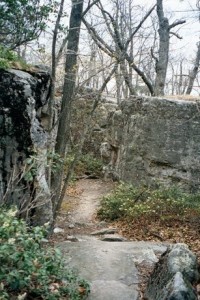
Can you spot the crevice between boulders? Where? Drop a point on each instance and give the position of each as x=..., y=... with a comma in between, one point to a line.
x=175, y=276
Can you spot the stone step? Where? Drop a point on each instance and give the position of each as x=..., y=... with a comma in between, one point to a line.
x=105, y=231
x=110, y=266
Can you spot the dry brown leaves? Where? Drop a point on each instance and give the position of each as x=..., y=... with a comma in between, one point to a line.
x=174, y=230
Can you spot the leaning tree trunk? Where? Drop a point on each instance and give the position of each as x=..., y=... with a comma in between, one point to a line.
x=68, y=94
x=194, y=71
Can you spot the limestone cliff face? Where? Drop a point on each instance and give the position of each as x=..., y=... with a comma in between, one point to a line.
x=22, y=96
x=159, y=142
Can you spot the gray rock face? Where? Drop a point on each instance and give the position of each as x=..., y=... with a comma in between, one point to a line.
x=21, y=97
x=179, y=289
x=158, y=141
x=109, y=266
x=174, y=275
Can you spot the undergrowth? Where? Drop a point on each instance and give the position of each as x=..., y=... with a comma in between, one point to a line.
x=9, y=59
x=28, y=269
x=87, y=164
x=132, y=202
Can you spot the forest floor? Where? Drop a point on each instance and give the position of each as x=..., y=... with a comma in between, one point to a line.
x=78, y=217
x=79, y=208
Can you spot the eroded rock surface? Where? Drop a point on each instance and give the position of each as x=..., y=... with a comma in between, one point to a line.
x=110, y=266
x=158, y=142
x=174, y=275
x=23, y=183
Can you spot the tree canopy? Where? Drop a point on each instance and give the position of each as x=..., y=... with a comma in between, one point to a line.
x=22, y=21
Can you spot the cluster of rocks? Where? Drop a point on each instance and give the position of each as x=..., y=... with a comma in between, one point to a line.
x=113, y=268
x=175, y=275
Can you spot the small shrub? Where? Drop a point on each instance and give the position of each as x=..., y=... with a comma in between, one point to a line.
x=29, y=270
x=9, y=59
x=6, y=57
x=131, y=202
x=87, y=164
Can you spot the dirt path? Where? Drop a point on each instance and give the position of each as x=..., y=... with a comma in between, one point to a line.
x=108, y=261
x=89, y=200
x=116, y=268
x=78, y=212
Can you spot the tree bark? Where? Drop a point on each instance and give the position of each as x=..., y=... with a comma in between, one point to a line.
x=53, y=63
x=194, y=71
x=163, y=52
x=68, y=94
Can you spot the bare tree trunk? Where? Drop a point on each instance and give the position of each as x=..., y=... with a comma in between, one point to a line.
x=86, y=131
x=194, y=71
x=53, y=81
x=180, y=82
x=68, y=93
x=119, y=82
x=162, y=61
x=163, y=52
x=53, y=64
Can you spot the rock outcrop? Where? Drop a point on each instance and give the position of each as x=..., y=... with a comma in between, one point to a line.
x=158, y=142
x=174, y=275
x=23, y=143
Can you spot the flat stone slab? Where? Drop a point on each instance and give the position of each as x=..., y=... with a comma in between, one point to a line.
x=110, y=266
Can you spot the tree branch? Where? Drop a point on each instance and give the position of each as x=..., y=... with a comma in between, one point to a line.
x=106, y=20
x=176, y=35
x=106, y=48
x=139, y=26
x=153, y=56
x=89, y=7
x=140, y=73
x=176, y=23
x=116, y=31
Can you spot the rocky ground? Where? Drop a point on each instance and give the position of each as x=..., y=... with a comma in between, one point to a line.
x=78, y=213
x=116, y=267
x=112, y=256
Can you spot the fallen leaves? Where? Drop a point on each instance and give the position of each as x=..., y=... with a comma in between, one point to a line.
x=172, y=231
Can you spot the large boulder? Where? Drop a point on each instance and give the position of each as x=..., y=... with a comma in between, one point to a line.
x=158, y=142
x=174, y=275
x=23, y=143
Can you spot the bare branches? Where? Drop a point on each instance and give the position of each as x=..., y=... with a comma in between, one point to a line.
x=99, y=41
x=153, y=55
x=89, y=7
x=176, y=35
x=138, y=27
x=194, y=71
x=106, y=19
x=176, y=23
x=120, y=52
